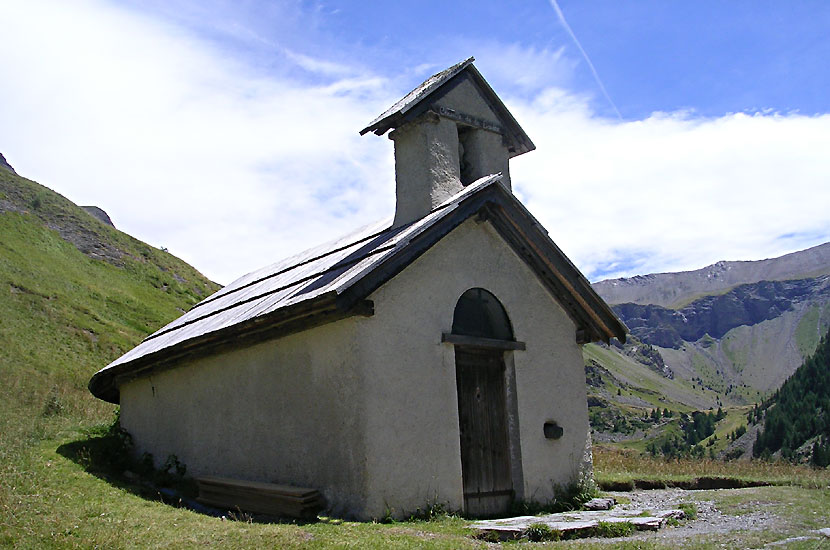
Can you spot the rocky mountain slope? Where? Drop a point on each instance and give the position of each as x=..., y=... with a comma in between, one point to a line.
x=726, y=335
x=752, y=328
x=673, y=290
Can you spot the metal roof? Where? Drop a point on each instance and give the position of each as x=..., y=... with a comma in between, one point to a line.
x=416, y=96
x=424, y=95
x=331, y=279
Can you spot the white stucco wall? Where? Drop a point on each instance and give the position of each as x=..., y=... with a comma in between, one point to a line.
x=365, y=409
x=285, y=411
x=413, y=440
x=426, y=167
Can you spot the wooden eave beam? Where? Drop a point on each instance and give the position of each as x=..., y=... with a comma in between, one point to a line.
x=328, y=308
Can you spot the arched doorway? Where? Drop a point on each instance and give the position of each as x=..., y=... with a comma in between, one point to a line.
x=480, y=322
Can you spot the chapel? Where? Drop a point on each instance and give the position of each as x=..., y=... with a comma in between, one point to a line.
x=430, y=358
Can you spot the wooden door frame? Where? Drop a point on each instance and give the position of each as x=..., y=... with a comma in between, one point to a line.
x=511, y=416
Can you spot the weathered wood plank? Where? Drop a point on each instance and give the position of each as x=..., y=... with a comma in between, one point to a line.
x=482, y=412
x=260, y=497
x=475, y=341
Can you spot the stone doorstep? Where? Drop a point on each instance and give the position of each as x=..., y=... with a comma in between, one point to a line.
x=576, y=522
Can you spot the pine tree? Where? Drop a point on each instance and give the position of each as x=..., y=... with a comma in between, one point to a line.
x=799, y=410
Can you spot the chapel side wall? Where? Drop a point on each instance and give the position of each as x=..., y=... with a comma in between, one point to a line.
x=287, y=411
x=413, y=440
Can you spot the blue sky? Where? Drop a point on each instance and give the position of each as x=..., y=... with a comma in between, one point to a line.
x=227, y=131
x=658, y=55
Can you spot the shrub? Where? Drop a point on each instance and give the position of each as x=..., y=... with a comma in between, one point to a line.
x=611, y=529
x=53, y=405
x=539, y=532
x=109, y=447
x=689, y=509
x=566, y=498
x=433, y=511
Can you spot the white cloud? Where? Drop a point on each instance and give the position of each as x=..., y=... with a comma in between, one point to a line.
x=181, y=145
x=673, y=192
x=524, y=69
x=189, y=148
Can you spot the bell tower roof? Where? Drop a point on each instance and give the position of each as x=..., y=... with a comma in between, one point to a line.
x=491, y=113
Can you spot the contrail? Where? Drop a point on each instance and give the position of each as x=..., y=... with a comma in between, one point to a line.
x=585, y=55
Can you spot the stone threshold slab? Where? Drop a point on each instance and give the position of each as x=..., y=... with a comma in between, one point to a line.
x=574, y=523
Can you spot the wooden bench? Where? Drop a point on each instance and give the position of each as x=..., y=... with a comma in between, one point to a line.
x=260, y=498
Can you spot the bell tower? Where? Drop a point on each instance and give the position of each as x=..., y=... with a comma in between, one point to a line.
x=448, y=132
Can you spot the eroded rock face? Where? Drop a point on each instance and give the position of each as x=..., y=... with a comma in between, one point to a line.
x=99, y=214
x=747, y=304
x=5, y=165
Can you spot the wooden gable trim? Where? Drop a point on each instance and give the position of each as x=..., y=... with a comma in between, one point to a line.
x=498, y=206
x=555, y=269
x=521, y=141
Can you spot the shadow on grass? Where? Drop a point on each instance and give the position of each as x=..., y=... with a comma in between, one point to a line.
x=105, y=457
x=697, y=484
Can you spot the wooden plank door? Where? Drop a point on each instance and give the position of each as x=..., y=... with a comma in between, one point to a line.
x=482, y=417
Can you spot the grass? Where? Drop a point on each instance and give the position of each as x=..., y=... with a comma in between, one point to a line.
x=613, y=529
x=735, y=417
x=641, y=381
x=52, y=500
x=64, y=315
x=810, y=329
x=539, y=532
x=617, y=466
x=689, y=509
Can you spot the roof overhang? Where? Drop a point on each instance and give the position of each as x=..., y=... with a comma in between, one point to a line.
x=488, y=200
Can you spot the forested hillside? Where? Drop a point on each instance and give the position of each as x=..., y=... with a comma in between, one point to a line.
x=724, y=336
x=796, y=420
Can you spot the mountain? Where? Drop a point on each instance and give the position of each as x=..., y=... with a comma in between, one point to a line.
x=726, y=335
x=75, y=293
x=738, y=328
x=673, y=290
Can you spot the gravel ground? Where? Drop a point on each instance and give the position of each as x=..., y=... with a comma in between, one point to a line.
x=709, y=520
